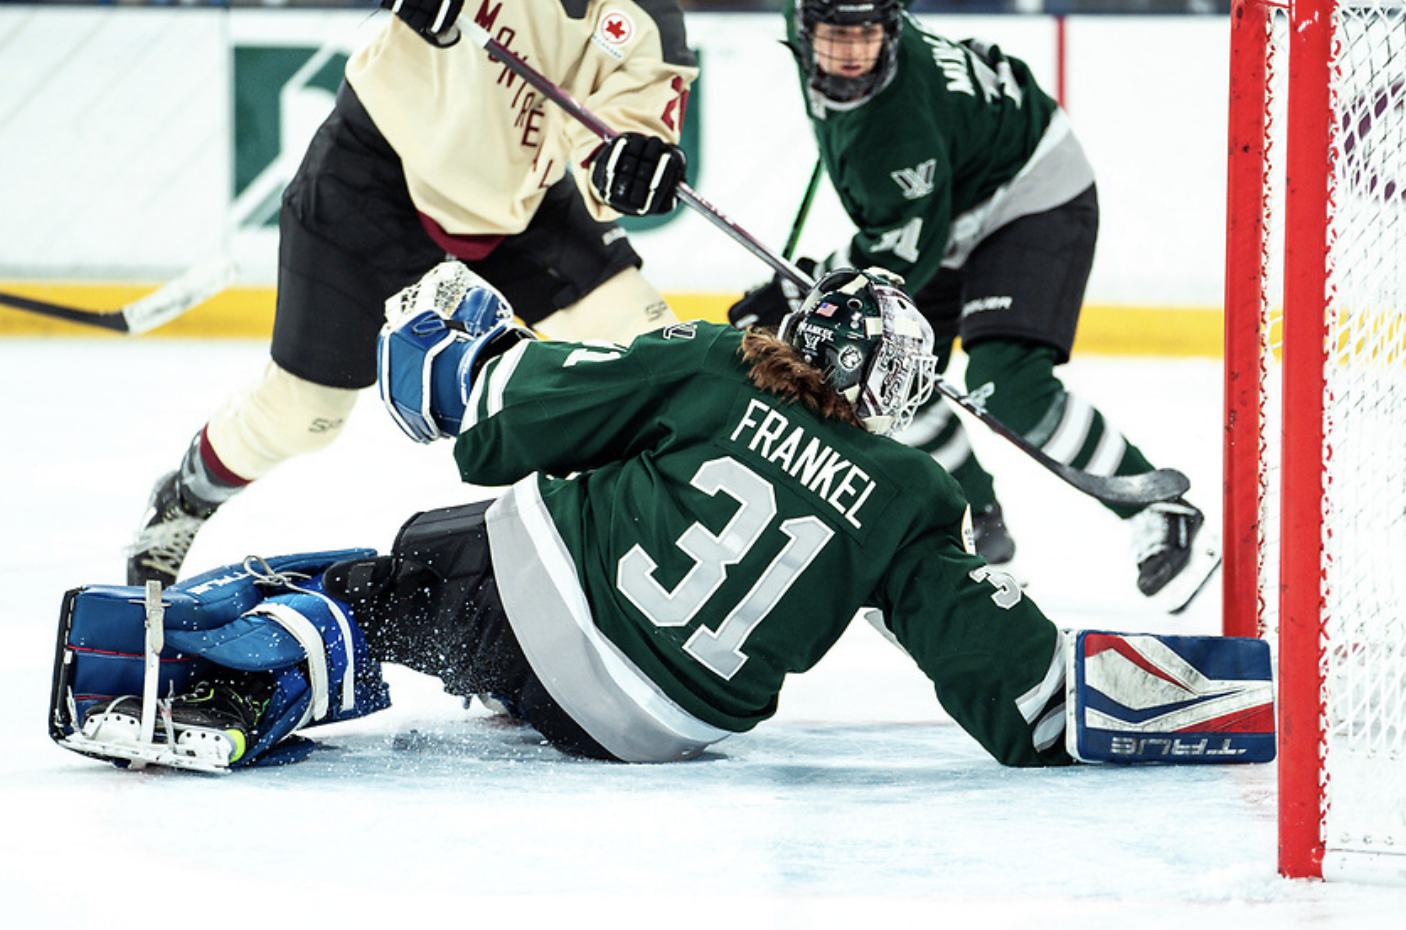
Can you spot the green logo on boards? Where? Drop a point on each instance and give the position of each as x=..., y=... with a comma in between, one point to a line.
x=281, y=96
x=283, y=93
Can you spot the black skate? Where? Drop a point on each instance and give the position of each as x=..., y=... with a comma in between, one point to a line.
x=1175, y=555
x=166, y=535
x=207, y=729
x=993, y=540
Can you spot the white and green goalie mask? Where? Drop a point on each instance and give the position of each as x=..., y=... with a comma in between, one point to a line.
x=869, y=342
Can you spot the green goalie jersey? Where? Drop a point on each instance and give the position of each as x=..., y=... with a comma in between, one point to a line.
x=960, y=141
x=714, y=539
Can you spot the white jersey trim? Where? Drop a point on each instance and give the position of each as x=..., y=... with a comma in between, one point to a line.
x=486, y=393
x=592, y=680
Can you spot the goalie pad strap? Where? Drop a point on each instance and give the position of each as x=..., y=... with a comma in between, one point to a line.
x=310, y=639
x=344, y=624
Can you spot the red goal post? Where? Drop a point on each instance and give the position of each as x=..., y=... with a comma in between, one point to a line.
x=1315, y=413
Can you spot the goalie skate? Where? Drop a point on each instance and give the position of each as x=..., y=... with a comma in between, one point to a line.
x=1176, y=553
x=206, y=730
x=113, y=731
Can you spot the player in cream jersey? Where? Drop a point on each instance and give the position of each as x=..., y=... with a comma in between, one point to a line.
x=497, y=144
x=434, y=148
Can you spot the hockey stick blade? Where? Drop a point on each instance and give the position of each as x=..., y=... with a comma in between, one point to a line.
x=1163, y=484
x=1148, y=488
x=194, y=287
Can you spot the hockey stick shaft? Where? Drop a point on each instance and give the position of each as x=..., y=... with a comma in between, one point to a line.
x=561, y=98
x=789, y=252
x=1164, y=484
x=105, y=319
x=197, y=285
x=1161, y=484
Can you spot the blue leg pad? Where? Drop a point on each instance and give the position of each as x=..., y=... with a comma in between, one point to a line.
x=263, y=615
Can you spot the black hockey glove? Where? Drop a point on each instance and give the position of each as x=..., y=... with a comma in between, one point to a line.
x=638, y=174
x=432, y=19
x=765, y=304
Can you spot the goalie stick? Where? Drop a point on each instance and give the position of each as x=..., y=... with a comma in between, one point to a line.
x=789, y=250
x=197, y=285
x=1160, y=485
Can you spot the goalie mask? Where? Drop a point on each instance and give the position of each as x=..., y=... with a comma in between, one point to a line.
x=838, y=88
x=869, y=342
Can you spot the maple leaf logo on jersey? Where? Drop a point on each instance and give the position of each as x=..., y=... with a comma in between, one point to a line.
x=613, y=33
x=916, y=182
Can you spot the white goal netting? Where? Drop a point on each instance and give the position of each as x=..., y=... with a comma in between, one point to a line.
x=1364, y=543
x=1357, y=524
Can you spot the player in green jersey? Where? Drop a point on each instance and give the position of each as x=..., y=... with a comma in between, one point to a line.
x=686, y=522
x=964, y=177
x=695, y=517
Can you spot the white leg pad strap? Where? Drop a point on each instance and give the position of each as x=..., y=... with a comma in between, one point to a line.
x=314, y=642
x=310, y=639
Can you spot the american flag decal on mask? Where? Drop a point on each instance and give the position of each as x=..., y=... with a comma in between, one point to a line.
x=1146, y=698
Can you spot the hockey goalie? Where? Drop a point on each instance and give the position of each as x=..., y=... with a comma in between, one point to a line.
x=682, y=523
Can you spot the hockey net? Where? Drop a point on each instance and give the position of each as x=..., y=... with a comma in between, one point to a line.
x=1315, y=431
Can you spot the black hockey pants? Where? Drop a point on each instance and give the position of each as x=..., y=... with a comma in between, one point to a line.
x=433, y=606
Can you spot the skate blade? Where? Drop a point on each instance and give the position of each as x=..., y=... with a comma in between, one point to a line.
x=117, y=738
x=140, y=755
x=1178, y=593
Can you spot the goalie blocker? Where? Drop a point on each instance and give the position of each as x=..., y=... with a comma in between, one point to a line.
x=130, y=672
x=1145, y=698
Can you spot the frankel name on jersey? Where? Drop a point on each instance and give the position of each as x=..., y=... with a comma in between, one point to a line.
x=815, y=466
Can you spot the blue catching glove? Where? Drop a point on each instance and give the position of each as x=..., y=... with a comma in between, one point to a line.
x=435, y=332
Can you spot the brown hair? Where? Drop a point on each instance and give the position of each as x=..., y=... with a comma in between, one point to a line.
x=779, y=370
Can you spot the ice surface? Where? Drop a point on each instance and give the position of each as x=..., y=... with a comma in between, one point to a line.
x=860, y=804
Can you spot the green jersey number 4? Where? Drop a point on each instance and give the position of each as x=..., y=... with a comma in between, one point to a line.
x=720, y=650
